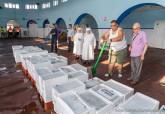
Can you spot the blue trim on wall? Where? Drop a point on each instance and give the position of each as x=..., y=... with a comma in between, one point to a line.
x=130, y=10
x=30, y=21
x=80, y=18
x=59, y=20
x=45, y=22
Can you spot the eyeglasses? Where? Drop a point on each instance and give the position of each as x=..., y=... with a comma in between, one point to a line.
x=135, y=28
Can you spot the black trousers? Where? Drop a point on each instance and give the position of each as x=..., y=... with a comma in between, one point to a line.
x=70, y=44
x=54, y=45
x=10, y=35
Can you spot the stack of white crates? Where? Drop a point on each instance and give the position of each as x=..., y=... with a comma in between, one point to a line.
x=109, y=94
x=41, y=72
x=36, y=62
x=49, y=61
x=126, y=91
x=95, y=101
x=66, y=87
x=138, y=104
x=93, y=82
x=48, y=81
x=74, y=73
x=26, y=51
x=24, y=56
x=71, y=103
x=15, y=48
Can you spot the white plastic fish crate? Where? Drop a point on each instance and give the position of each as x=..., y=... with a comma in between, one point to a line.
x=93, y=82
x=34, y=53
x=71, y=103
x=25, y=57
x=138, y=104
x=67, y=69
x=79, y=67
x=34, y=63
x=41, y=72
x=48, y=81
x=109, y=94
x=95, y=101
x=16, y=55
x=81, y=75
x=162, y=110
x=27, y=50
x=123, y=89
x=17, y=47
x=66, y=87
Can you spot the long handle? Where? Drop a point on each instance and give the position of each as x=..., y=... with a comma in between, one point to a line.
x=98, y=59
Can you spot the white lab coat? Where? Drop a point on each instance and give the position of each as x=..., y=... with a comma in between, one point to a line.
x=78, y=42
x=88, y=47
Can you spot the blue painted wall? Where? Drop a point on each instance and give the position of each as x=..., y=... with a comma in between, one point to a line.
x=70, y=11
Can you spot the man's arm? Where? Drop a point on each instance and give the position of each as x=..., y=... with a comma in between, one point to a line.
x=119, y=37
x=105, y=37
x=144, y=51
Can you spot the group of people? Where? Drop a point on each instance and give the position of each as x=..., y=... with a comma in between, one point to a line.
x=3, y=32
x=118, y=50
x=14, y=32
x=10, y=32
x=83, y=42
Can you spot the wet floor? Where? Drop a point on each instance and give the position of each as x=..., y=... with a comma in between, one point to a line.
x=17, y=96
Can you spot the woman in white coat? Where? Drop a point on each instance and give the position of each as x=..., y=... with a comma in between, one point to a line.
x=88, y=46
x=78, y=42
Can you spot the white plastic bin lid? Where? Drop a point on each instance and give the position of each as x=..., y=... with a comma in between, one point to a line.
x=67, y=69
x=74, y=102
x=118, y=86
x=93, y=82
x=140, y=103
x=76, y=74
x=57, y=73
x=107, y=93
x=70, y=85
x=37, y=59
x=79, y=67
x=92, y=100
x=43, y=71
x=55, y=60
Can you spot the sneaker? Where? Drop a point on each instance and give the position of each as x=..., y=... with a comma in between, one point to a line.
x=108, y=75
x=120, y=75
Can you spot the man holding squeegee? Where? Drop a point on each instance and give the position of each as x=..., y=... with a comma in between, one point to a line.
x=118, y=48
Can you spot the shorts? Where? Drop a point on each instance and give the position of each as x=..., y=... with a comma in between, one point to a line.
x=119, y=57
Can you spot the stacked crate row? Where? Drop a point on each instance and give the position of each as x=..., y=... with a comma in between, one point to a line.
x=66, y=89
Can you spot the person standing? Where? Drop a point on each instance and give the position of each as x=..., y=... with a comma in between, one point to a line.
x=89, y=45
x=78, y=42
x=18, y=31
x=138, y=50
x=10, y=32
x=70, y=37
x=118, y=48
x=55, y=32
